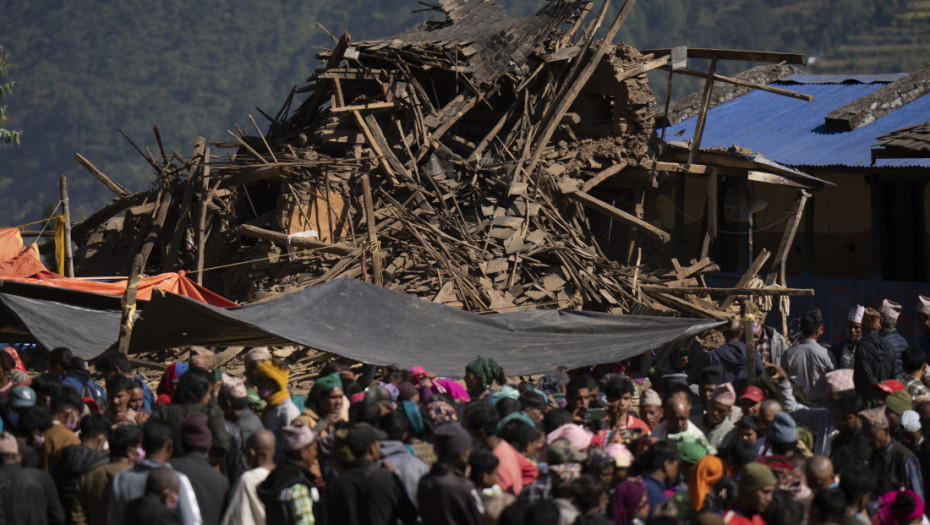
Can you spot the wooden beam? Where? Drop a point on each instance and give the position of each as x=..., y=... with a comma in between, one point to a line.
x=747, y=277
x=782, y=180
x=616, y=213
x=201, y=230
x=745, y=83
x=66, y=211
x=127, y=317
x=702, y=116
x=180, y=226
x=603, y=175
x=253, y=175
x=247, y=230
x=362, y=107
x=374, y=246
x=81, y=229
x=806, y=292
x=694, y=169
x=734, y=54
x=114, y=186
x=787, y=239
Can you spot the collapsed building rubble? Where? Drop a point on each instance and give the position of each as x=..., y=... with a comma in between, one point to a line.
x=463, y=162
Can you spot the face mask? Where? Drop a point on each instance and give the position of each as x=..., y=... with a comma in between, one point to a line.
x=173, y=504
x=265, y=393
x=140, y=455
x=72, y=424
x=38, y=442
x=756, y=327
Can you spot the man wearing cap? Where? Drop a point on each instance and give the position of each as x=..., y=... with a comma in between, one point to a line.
x=27, y=495
x=240, y=423
x=782, y=437
x=875, y=359
x=889, y=312
x=210, y=486
x=844, y=353
x=754, y=495
x=650, y=408
x=732, y=356
x=750, y=400
x=807, y=361
x=889, y=458
x=716, y=424
x=365, y=492
x=19, y=398
x=909, y=425
x=446, y=496
x=289, y=492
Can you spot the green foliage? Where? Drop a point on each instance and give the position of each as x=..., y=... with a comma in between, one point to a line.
x=7, y=136
x=87, y=69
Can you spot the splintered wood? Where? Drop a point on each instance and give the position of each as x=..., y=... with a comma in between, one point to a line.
x=487, y=140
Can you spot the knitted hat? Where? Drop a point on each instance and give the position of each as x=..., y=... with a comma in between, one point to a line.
x=855, y=314
x=755, y=476
x=783, y=429
x=923, y=304
x=839, y=380
x=875, y=418
x=194, y=431
x=451, y=440
x=406, y=391
x=439, y=412
x=724, y=394
x=910, y=421
x=296, y=437
x=690, y=451
x=890, y=309
x=899, y=402
x=323, y=386
x=650, y=398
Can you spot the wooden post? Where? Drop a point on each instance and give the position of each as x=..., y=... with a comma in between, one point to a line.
x=201, y=232
x=180, y=227
x=66, y=211
x=372, y=231
x=777, y=273
x=702, y=116
x=129, y=303
x=750, y=343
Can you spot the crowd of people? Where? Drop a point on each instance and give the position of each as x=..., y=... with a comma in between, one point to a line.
x=821, y=435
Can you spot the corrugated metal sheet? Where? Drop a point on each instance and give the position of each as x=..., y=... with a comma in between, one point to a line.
x=793, y=132
x=884, y=78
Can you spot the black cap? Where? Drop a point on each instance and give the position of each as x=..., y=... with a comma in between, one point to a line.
x=712, y=375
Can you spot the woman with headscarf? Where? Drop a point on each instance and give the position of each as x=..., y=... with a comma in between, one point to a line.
x=194, y=393
x=428, y=385
x=271, y=384
x=704, y=475
x=480, y=373
x=629, y=503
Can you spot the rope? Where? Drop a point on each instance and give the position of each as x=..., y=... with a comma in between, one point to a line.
x=250, y=261
x=52, y=218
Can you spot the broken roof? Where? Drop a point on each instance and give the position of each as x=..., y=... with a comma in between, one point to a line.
x=913, y=141
x=794, y=132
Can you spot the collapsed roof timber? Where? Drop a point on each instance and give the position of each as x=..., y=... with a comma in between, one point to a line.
x=456, y=162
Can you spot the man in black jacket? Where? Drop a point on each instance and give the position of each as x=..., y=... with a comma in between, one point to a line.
x=158, y=505
x=446, y=496
x=27, y=495
x=875, y=360
x=78, y=459
x=365, y=492
x=210, y=486
x=289, y=492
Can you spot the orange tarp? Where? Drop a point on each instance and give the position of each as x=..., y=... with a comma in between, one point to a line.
x=22, y=264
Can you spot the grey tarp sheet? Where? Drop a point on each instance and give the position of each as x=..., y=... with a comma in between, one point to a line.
x=365, y=323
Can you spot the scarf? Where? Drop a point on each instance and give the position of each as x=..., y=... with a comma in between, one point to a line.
x=704, y=475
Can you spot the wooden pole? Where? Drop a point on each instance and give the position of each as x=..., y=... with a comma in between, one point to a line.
x=180, y=227
x=66, y=211
x=373, y=244
x=702, y=116
x=202, y=214
x=129, y=303
x=750, y=342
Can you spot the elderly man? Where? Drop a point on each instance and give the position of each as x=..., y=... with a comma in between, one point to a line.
x=807, y=360
x=288, y=490
x=650, y=408
x=844, y=353
x=922, y=319
x=889, y=313
x=767, y=412
x=890, y=459
x=716, y=424
x=676, y=410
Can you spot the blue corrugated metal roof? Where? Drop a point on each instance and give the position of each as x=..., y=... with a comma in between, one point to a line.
x=839, y=79
x=793, y=132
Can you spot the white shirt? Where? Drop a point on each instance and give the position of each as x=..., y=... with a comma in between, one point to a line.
x=661, y=431
x=245, y=508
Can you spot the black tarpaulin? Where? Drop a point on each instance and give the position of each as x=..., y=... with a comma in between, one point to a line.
x=375, y=325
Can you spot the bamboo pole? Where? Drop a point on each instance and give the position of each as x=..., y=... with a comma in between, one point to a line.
x=66, y=211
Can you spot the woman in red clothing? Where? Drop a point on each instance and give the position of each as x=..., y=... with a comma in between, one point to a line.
x=622, y=425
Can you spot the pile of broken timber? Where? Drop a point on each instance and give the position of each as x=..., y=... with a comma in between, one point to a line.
x=457, y=162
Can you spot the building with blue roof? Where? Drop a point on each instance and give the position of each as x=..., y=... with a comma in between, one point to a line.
x=865, y=232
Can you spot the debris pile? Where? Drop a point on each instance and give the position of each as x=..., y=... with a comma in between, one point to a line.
x=459, y=162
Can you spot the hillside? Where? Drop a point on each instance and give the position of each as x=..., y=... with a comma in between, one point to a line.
x=84, y=70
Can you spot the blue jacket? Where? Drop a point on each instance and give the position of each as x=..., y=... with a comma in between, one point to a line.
x=732, y=357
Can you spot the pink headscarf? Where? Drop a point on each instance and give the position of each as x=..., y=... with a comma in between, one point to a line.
x=578, y=436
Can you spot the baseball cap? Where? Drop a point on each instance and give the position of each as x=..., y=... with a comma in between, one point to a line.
x=22, y=396
x=752, y=393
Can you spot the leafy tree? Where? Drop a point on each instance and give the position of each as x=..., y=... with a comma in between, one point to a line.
x=7, y=136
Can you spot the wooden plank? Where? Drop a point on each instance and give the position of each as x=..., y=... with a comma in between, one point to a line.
x=734, y=54
x=114, y=186
x=603, y=175
x=385, y=149
x=781, y=180
x=694, y=169
x=787, y=239
x=664, y=288
x=300, y=242
x=373, y=106
x=626, y=218
x=745, y=83
x=374, y=247
x=747, y=277
x=702, y=115
x=66, y=211
x=711, y=212
x=201, y=231
x=362, y=125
